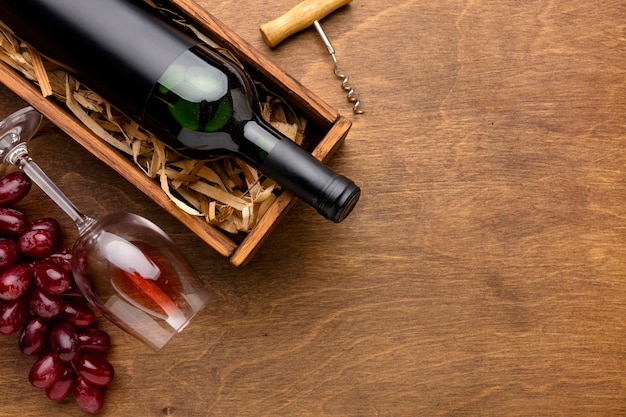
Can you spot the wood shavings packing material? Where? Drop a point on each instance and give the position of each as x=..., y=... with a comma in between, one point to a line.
x=228, y=193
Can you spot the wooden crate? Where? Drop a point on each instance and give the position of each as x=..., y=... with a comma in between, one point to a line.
x=326, y=130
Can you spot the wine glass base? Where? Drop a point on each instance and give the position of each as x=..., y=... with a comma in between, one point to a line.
x=18, y=128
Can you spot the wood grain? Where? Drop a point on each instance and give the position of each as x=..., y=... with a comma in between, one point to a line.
x=483, y=272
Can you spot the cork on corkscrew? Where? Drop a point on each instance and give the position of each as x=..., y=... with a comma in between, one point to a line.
x=302, y=16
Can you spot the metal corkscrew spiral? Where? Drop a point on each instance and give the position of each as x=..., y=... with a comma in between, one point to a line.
x=344, y=78
x=303, y=15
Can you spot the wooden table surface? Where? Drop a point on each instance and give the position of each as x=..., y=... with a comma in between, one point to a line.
x=482, y=273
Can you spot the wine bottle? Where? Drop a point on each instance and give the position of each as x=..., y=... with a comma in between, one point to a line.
x=192, y=97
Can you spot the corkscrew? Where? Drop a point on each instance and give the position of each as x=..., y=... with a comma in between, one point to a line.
x=344, y=78
x=300, y=17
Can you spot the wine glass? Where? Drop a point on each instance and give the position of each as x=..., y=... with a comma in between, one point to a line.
x=125, y=265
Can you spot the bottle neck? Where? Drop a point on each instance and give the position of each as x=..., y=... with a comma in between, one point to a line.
x=332, y=195
x=259, y=141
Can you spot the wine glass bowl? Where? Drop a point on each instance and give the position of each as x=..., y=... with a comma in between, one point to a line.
x=126, y=267
x=151, y=291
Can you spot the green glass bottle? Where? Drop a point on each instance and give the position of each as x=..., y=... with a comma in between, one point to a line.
x=193, y=98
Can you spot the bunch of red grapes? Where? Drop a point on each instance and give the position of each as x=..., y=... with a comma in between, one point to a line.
x=39, y=298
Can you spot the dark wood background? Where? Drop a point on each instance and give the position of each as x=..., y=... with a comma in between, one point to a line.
x=483, y=272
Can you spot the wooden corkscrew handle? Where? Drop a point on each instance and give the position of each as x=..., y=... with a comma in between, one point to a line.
x=298, y=18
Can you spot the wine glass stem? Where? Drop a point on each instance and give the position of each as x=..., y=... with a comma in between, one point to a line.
x=24, y=162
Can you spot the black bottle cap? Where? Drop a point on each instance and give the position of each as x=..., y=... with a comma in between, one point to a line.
x=339, y=199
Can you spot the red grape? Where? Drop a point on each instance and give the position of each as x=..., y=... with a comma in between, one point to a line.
x=34, y=336
x=13, y=187
x=64, y=341
x=78, y=314
x=46, y=371
x=95, y=369
x=12, y=222
x=44, y=304
x=60, y=389
x=46, y=223
x=40, y=298
x=73, y=294
x=89, y=398
x=51, y=277
x=37, y=243
x=94, y=340
x=9, y=252
x=13, y=315
x=63, y=258
x=15, y=281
